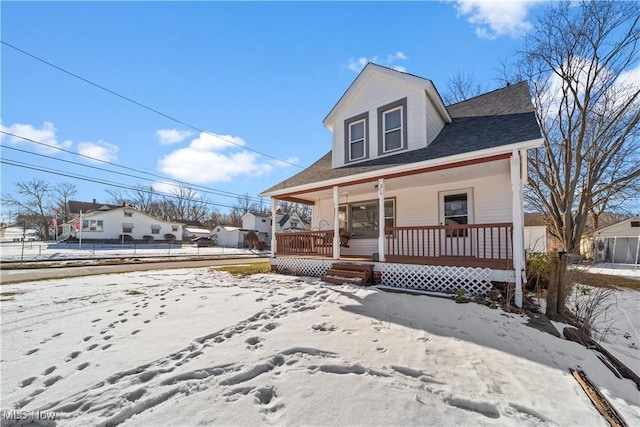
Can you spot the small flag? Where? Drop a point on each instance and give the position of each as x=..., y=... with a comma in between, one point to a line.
x=54, y=222
x=77, y=225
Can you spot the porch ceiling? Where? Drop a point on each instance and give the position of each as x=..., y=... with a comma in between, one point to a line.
x=497, y=167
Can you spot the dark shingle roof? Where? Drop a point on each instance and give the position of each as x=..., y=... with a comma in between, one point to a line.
x=501, y=117
x=75, y=206
x=534, y=219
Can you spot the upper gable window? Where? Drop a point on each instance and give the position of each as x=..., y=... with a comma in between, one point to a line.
x=356, y=131
x=392, y=126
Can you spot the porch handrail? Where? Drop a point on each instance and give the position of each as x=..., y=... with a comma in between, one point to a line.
x=493, y=241
x=305, y=242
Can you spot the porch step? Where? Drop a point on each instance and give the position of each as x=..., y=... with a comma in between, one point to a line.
x=355, y=274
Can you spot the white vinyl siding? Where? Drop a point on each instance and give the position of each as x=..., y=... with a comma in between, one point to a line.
x=110, y=225
x=420, y=206
x=380, y=91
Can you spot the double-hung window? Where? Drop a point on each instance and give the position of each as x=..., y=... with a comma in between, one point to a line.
x=356, y=137
x=392, y=126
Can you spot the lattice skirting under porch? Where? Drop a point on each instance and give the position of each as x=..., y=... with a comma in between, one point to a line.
x=436, y=278
x=428, y=278
x=301, y=266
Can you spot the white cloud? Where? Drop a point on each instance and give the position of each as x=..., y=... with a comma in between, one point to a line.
x=200, y=167
x=356, y=65
x=204, y=161
x=172, y=136
x=211, y=141
x=396, y=56
x=100, y=151
x=495, y=18
x=45, y=135
x=170, y=188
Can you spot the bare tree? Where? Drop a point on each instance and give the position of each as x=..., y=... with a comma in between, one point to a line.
x=184, y=204
x=143, y=198
x=462, y=86
x=118, y=196
x=579, y=61
x=62, y=193
x=35, y=204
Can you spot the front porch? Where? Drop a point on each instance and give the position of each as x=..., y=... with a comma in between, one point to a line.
x=458, y=245
x=436, y=259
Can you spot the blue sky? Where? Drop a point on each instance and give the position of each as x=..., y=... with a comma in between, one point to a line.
x=260, y=74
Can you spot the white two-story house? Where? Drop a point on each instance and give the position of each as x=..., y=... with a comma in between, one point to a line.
x=430, y=195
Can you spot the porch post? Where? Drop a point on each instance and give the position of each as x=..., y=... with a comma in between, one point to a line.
x=518, y=223
x=336, y=223
x=381, y=245
x=273, y=227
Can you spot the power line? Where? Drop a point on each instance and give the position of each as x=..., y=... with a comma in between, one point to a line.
x=23, y=165
x=195, y=186
x=146, y=107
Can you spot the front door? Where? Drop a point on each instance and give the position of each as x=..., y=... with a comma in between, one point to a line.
x=456, y=211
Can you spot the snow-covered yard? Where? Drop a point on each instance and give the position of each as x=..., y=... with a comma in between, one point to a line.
x=200, y=347
x=51, y=251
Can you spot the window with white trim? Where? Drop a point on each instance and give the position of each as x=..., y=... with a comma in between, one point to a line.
x=392, y=127
x=92, y=225
x=357, y=141
x=356, y=132
x=456, y=208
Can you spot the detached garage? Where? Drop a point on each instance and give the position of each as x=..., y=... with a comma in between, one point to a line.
x=618, y=243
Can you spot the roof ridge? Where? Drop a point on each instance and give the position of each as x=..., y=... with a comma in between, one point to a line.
x=487, y=93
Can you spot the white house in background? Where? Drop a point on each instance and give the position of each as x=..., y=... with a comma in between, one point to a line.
x=258, y=222
x=122, y=224
x=262, y=224
x=14, y=234
x=189, y=233
x=426, y=195
x=537, y=237
x=229, y=236
x=290, y=222
x=618, y=243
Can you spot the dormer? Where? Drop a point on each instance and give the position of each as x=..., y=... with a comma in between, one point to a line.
x=384, y=112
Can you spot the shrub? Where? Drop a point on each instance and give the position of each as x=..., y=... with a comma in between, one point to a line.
x=538, y=270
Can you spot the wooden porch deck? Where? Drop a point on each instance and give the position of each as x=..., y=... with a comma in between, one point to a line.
x=460, y=245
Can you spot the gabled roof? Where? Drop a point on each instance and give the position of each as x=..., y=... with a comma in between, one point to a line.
x=372, y=68
x=190, y=223
x=534, y=219
x=499, y=118
x=617, y=224
x=76, y=206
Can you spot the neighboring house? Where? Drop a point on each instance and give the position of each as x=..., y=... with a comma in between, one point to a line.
x=190, y=233
x=618, y=243
x=16, y=233
x=445, y=183
x=75, y=207
x=229, y=236
x=290, y=222
x=122, y=224
x=260, y=223
x=537, y=237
